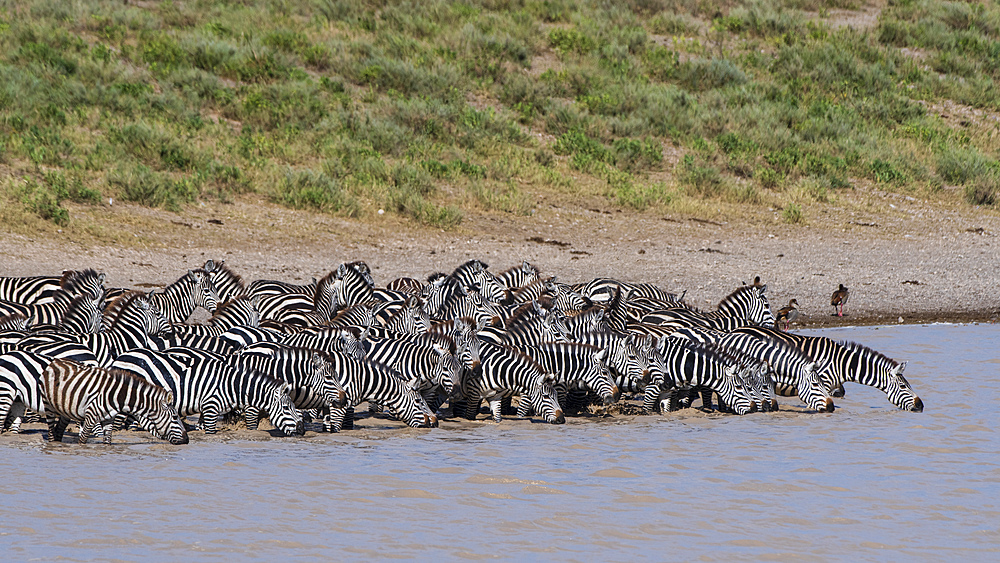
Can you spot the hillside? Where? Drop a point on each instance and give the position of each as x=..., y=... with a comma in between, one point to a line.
x=437, y=111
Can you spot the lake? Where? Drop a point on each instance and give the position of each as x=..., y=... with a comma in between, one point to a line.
x=867, y=482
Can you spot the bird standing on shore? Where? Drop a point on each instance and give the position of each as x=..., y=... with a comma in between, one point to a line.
x=839, y=298
x=787, y=314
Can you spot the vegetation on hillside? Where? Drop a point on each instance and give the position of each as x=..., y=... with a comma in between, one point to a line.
x=429, y=108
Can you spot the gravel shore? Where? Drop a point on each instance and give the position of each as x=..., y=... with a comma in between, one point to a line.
x=903, y=260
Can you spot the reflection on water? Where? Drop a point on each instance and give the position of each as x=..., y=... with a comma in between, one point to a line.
x=866, y=482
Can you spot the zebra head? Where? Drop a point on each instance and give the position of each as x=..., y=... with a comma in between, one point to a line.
x=545, y=400
x=204, y=290
x=409, y=405
x=554, y=322
x=447, y=370
x=279, y=407
x=735, y=390
x=160, y=412
x=323, y=373
x=434, y=293
x=811, y=388
x=599, y=379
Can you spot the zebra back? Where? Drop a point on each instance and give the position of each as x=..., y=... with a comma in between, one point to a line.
x=29, y=290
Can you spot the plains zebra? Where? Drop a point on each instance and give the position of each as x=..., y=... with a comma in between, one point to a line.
x=506, y=372
x=474, y=273
x=29, y=290
x=236, y=313
x=530, y=324
x=308, y=372
x=20, y=373
x=748, y=302
x=432, y=367
x=203, y=383
x=273, y=287
x=689, y=365
x=228, y=285
x=355, y=284
x=575, y=367
x=94, y=396
x=603, y=289
x=470, y=302
x=463, y=332
x=564, y=298
x=299, y=309
x=178, y=300
x=519, y=276
x=364, y=380
x=411, y=319
x=328, y=339
x=134, y=325
x=51, y=314
x=850, y=361
x=794, y=372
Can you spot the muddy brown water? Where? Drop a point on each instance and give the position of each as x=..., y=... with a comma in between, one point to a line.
x=868, y=482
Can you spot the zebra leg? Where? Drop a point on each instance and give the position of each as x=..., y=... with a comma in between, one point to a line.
x=91, y=420
x=348, y=423
x=524, y=408
x=505, y=406
x=472, y=408
x=334, y=419
x=16, y=416
x=57, y=426
x=577, y=400
x=210, y=420
x=252, y=418
x=496, y=406
x=108, y=424
x=706, y=400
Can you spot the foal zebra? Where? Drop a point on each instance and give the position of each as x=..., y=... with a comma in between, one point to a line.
x=94, y=396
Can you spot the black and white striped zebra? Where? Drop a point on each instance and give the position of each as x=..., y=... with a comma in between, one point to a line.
x=690, y=366
x=603, y=289
x=364, y=380
x=192, y=290
x=94, y=396
x=469, y=301
x=228, y=285
x=29, y=290
x=433, y=368
x=850, y=361
x=410, y=319
x=51, y=314
x=506, y=372
x=299, y=309
x=474, y=273
x=529, y=325
x=235, y=313
x=204, y=384
x=308, y=372
x=328, y=339
x=519, y=276
x=747, y=305
x=20, y=374
x=577, y=367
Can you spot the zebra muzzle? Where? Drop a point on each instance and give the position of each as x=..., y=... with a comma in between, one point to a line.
x=559, y=418
x=918, y=405
x=828, y=406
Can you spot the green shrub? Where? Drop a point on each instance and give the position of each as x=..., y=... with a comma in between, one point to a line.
x=141, y=185
x=306, y=189
x=984, y=190
x=959, y=166
x=792, y=213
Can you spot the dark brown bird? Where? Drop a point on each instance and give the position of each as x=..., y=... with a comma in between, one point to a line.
x=839, y=298
x=787, y=314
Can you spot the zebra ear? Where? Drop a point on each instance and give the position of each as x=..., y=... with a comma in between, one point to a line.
x=763, y=288
x=549, y=378
x=170, y=397
x=525, y=267
x=100, y=279
x=601, y=354
x=209, y=266
x=898, y=370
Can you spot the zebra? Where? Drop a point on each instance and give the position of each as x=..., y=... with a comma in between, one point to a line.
x=519, y=276
x=409, y=286
x=94, y=396
x=689, y=365
x=530, y=324
x=470, y=302
x=474, y=273
x=29, y=290
x=228, y=285
x=272, y=287
x=505, y=372
x=432, y=367
x=299, y=309
x=20, y=373
x=364, y=380
x=411, y=319
x=603, y=289
x=239, y=312
x=748, y=302
x=564, y=298
x=794, y=372
x=133, y=327
x=308, y=372
x=463, y=332
x=178, y=300
x=576, y=367
x=356, y=284
x=203, y=383
x=850, y=361
x=52, y=313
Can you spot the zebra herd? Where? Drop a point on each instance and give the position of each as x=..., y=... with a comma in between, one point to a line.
x=73, y=350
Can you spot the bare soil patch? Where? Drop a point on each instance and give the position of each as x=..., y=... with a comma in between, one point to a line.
x=901, y=257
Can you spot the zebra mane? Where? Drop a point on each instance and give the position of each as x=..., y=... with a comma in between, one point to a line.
x=121, y=303
x=736, y=293
x=227, y=309
x=470, y=265
x=322, y=283
x=436, y=276
x=73, y=280
x=856, y=347
x=224, y=272
x=183, y=280
x=14, y=321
